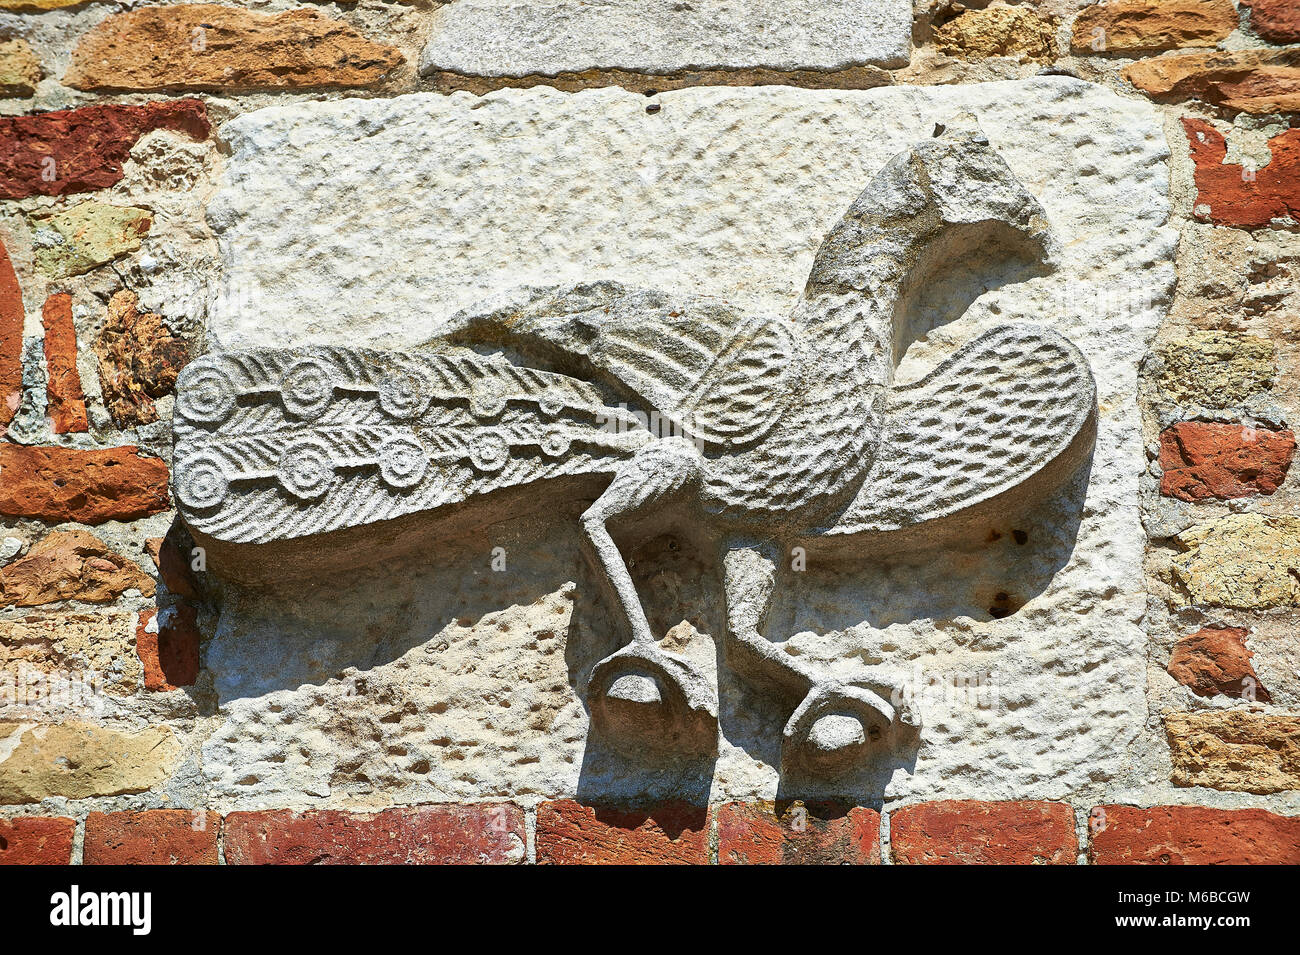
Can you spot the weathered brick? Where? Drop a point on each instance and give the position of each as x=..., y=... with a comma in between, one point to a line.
x=570, y=833
x=152, y=837
x=139, y=358
x=798, y=834
x=991, y=833
x=1138, y=26
x=79, y=760
x=478, y=833
x=1277, y=21
x=1214, y=661
x=66, y=402
x=1192, y=835
x=90, y=487
x=20, y=69
x=1214, y=369
x=1242, y=561
x=168, y=647
x=86, y=236
x=36, y=840
x=70, y=565
x=1228, y=194
x=12, y=316
x=998, y=31
x=1235, y=750
x=1211, y=461
x=205, y=46
x=1252, y=81
x=81, y=150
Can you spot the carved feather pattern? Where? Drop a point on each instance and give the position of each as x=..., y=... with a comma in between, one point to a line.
x=1000, y=409
x=722, y=375
x=274, y=445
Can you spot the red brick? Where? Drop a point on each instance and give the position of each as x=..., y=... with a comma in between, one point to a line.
x=1192, y=835
x=483, y=833
x=152, y=837
x=994, y=833
x=64, y=397
x=169, y=653
x=36, y=840
x=12, y=314
x=87, y=145
x=569, y=833
x=173, y=567
x=1277, y=21
x=1226, y=195
x=1212, y=461
x=1215, y=661
x=798, y=834
x=89, y=487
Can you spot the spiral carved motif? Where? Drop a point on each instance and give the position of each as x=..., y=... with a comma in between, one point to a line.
x=307, y=388
x=200, y=481
x=555, y=443
x=404, y=394
x=486, y=401
x=306, y=468
x=402, y=462
x=208, y=395
x=489, y=451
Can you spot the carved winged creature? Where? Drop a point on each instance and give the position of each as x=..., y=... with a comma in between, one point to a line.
x=787, y=431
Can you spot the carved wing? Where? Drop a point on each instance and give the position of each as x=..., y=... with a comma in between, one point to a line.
x=721, y=375
x=1005, y=412
x=279, y=444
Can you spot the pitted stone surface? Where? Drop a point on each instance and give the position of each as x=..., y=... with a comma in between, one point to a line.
x=741, y=221
x=585, y=187
x=513, y=38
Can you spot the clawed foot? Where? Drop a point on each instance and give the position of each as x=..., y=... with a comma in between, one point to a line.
x=643, y=697
x=836, y=726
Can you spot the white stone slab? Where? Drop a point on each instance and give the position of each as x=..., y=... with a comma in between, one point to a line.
x=371, y=221
x=368, y=221
x=513, y=38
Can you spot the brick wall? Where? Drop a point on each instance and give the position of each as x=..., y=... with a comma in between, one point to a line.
x=107, y=150
x=570, y=833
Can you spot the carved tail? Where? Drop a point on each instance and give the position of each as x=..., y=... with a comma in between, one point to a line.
x=281, y=444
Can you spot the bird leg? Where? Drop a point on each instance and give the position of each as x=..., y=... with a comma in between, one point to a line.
x=749, y=574
x=642, y=692
x=833, y=724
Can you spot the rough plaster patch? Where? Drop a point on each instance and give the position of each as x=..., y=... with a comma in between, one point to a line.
x=509, y=38
x=421, y=205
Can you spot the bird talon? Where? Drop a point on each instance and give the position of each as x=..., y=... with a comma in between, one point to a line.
x=643, y=697
x=836, y=726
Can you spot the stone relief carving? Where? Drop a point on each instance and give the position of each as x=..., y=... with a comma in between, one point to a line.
x=768, y=433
